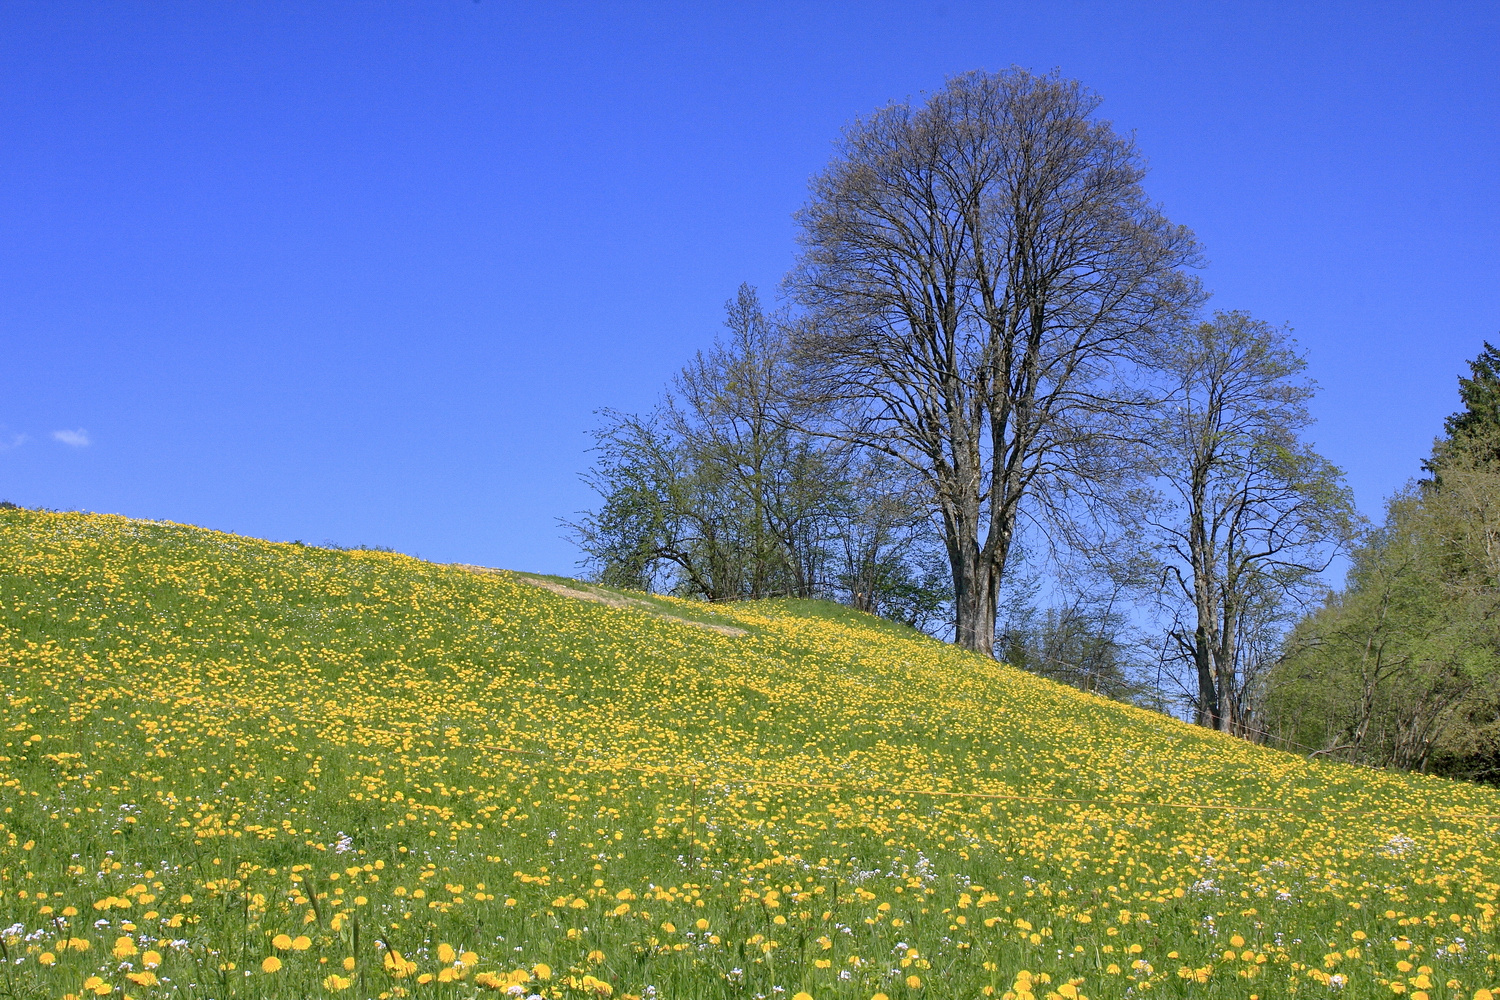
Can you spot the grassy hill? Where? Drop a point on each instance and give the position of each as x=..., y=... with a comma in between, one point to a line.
x=238, y=768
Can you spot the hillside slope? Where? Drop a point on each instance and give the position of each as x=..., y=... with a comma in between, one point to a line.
x=238, y=768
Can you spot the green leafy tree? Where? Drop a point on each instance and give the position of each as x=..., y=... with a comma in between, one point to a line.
x=1392, y=670
x=715, y=494
x=724, y=493
x=1402, y=667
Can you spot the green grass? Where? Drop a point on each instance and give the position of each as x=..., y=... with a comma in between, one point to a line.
x=216, y=746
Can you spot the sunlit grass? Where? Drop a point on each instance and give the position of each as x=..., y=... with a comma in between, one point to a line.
x=237, y=768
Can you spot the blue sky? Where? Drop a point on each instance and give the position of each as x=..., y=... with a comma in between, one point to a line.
x=362, y=273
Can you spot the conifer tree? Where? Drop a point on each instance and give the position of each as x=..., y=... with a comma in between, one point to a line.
x=1473, y=433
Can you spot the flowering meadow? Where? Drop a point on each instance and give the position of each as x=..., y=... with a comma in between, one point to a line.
x=238, y=768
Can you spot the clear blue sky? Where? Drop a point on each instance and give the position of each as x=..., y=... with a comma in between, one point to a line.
x=362, y=272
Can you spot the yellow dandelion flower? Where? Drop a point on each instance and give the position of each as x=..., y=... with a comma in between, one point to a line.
x=398, y=966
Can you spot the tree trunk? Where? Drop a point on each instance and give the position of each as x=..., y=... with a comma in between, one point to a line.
x=1208, y=688
x=975, y=600
x=977, y=573
x=1231, y=688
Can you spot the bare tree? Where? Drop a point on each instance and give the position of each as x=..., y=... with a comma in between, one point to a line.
x=978, y=272
x=1250, y=514
x=1083, y=641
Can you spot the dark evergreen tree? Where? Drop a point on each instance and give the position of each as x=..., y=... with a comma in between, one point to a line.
x=1472, y=434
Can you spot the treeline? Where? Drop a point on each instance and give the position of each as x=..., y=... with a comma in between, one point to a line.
x=1401, y=668
x=994, y=405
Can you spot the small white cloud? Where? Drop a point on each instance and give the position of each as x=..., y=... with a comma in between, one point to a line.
x=73, y=439
x=9, y=441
